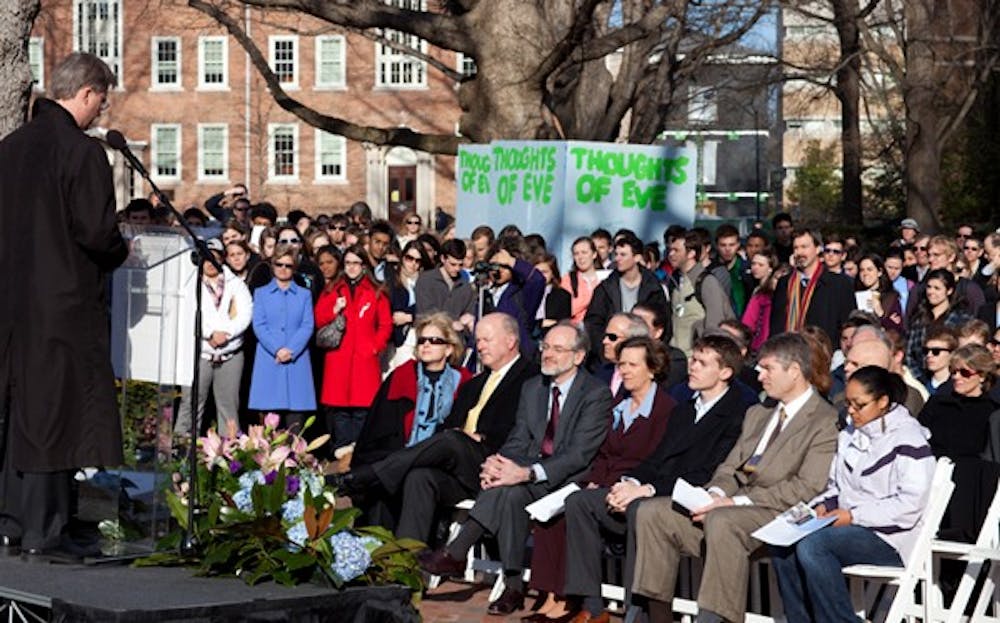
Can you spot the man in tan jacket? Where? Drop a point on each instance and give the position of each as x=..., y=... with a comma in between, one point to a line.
x=782, y=457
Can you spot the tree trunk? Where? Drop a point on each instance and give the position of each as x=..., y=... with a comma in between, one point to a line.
x=848, y=91
x=16, y=18
x=923, y=150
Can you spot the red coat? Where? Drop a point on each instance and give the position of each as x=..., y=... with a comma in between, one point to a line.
x=351, y=373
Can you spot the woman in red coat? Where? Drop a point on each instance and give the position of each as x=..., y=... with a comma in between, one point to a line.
x=351, y=372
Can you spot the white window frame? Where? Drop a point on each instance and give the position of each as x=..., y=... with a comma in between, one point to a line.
x=154, y=54
x=202, y=176
x=338, y=178
x=703, y=105
x=212, y=86
x=341, y=84
x=461, y=67
x=272, y=130
x=386, y=57
x=36, y=48
x=90, y=40
x=154, y=151
x=272, y=43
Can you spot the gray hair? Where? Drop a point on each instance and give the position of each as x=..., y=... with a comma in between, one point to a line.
x=789, y=348
x=581, y=341
x=637, y=327
x=77, y=71
x=509, y=324
x=875, y=333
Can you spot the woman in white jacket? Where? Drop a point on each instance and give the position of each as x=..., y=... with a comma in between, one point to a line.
x=879, y=484
x=226, y=312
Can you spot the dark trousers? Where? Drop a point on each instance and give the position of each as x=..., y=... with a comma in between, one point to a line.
x=587, y=519
x=442, y=470
x=345, y=424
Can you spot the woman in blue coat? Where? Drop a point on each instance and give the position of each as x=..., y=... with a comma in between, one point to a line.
x=282, y=378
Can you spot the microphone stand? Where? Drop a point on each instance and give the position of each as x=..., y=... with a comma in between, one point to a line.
x=115, y=139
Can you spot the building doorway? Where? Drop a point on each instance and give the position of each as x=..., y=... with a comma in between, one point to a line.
x=402, y=191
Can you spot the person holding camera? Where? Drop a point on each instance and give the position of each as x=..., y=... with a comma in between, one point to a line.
x=232, y=203
x=514, y=287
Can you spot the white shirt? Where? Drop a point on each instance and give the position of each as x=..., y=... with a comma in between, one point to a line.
x=564, y=387
x=701, y=408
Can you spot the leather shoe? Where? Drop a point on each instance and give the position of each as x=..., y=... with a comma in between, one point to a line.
x=9, y=545
x=440, y=562
x=510, y=601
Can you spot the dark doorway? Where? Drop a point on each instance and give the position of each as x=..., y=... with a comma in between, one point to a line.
x=402, y=189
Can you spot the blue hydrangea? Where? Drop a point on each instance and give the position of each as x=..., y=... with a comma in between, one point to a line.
x=313, y=482
x=371, y=543
x=243, y=500
x=298, y=535
x=350, y=556
x=249, y=479
x=292, y=510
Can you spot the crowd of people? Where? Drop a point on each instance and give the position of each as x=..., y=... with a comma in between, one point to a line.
x=766, y=370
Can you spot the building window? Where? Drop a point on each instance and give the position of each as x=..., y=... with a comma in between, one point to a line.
x=331, y=157
x=285, y=59
x=467, y=66
x=36, y=59
x=165, y=151
x=330, y=62
x=213, y=63
x=283, y=152
x=97, y=28
x=166, y=69
x=396, y=69
x=213, y=151
x=702, y=109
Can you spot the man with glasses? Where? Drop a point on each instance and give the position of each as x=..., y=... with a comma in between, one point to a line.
x=621, y=327
x=833, y=254
x=232, y=203
x=940, y=343
x=336, y=229
x=972, y=252
x=562, y=418
x=59, y=243
x=942, y=253
x=918, y=271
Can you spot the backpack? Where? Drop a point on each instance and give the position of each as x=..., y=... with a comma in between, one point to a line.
x=727, y=312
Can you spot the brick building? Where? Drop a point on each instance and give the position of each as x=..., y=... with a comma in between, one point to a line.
x=200, y=117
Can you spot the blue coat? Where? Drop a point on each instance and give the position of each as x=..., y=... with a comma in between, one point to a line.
x=282, y=319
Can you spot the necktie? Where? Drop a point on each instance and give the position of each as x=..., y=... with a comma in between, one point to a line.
x=472, y=419
x=751, y=465
x=550, y=429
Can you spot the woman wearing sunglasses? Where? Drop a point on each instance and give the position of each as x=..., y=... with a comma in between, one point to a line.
x=351, y=372
x=307, y=274
x=412, y=402
x=412, y=224
x=282, y=378
x=959, y=425
x=403, y=301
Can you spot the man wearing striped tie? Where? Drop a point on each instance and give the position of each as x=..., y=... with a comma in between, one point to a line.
x=782, y=457
x=444, y=469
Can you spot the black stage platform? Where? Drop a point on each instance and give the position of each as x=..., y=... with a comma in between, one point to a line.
x=147, y=595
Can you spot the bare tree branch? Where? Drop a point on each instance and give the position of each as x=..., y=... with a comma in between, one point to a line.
x=435, y=143
x=434, y=62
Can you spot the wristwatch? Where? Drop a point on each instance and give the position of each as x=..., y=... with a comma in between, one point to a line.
x=532, y=476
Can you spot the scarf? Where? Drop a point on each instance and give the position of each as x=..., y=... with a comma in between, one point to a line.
x=425, y=420
x=798, y=301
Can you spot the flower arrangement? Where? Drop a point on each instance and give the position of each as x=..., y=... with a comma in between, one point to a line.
x=263, y=511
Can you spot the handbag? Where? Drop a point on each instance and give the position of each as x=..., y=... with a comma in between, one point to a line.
x=330, y=336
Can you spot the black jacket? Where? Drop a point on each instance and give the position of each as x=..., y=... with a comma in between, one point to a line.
x=693, y=451
x=832, y=302
x=607, y=301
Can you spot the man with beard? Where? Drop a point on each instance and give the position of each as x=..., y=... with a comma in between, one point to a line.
x=562, y=419
x=810, y=294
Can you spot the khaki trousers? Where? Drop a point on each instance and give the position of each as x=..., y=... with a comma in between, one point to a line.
x=663, y=535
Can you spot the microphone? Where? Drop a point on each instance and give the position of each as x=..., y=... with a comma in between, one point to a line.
x=117, y=141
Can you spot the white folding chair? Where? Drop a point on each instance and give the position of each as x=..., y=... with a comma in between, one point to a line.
x=975, y=555
x=902, y=583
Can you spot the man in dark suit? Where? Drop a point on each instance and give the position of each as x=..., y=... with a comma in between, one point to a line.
x=444, y=469
x=699, y=435
x=781, y=458
x=562, y=420
x=810, y=294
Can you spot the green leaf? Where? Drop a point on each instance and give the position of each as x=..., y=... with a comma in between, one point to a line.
x=177, y=509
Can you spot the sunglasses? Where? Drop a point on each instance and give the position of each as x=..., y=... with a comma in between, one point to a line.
x=338, y=227
x=965, y=373
x=970, y=248
x=936, y=351
x=289, y=240
x=410, y=258
x=611, y=337
x=919, y=248
x=284, y=265
x=412, y=222
x=432, y=339
x=994, y=342
x=834, y=251
x=240, y=209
